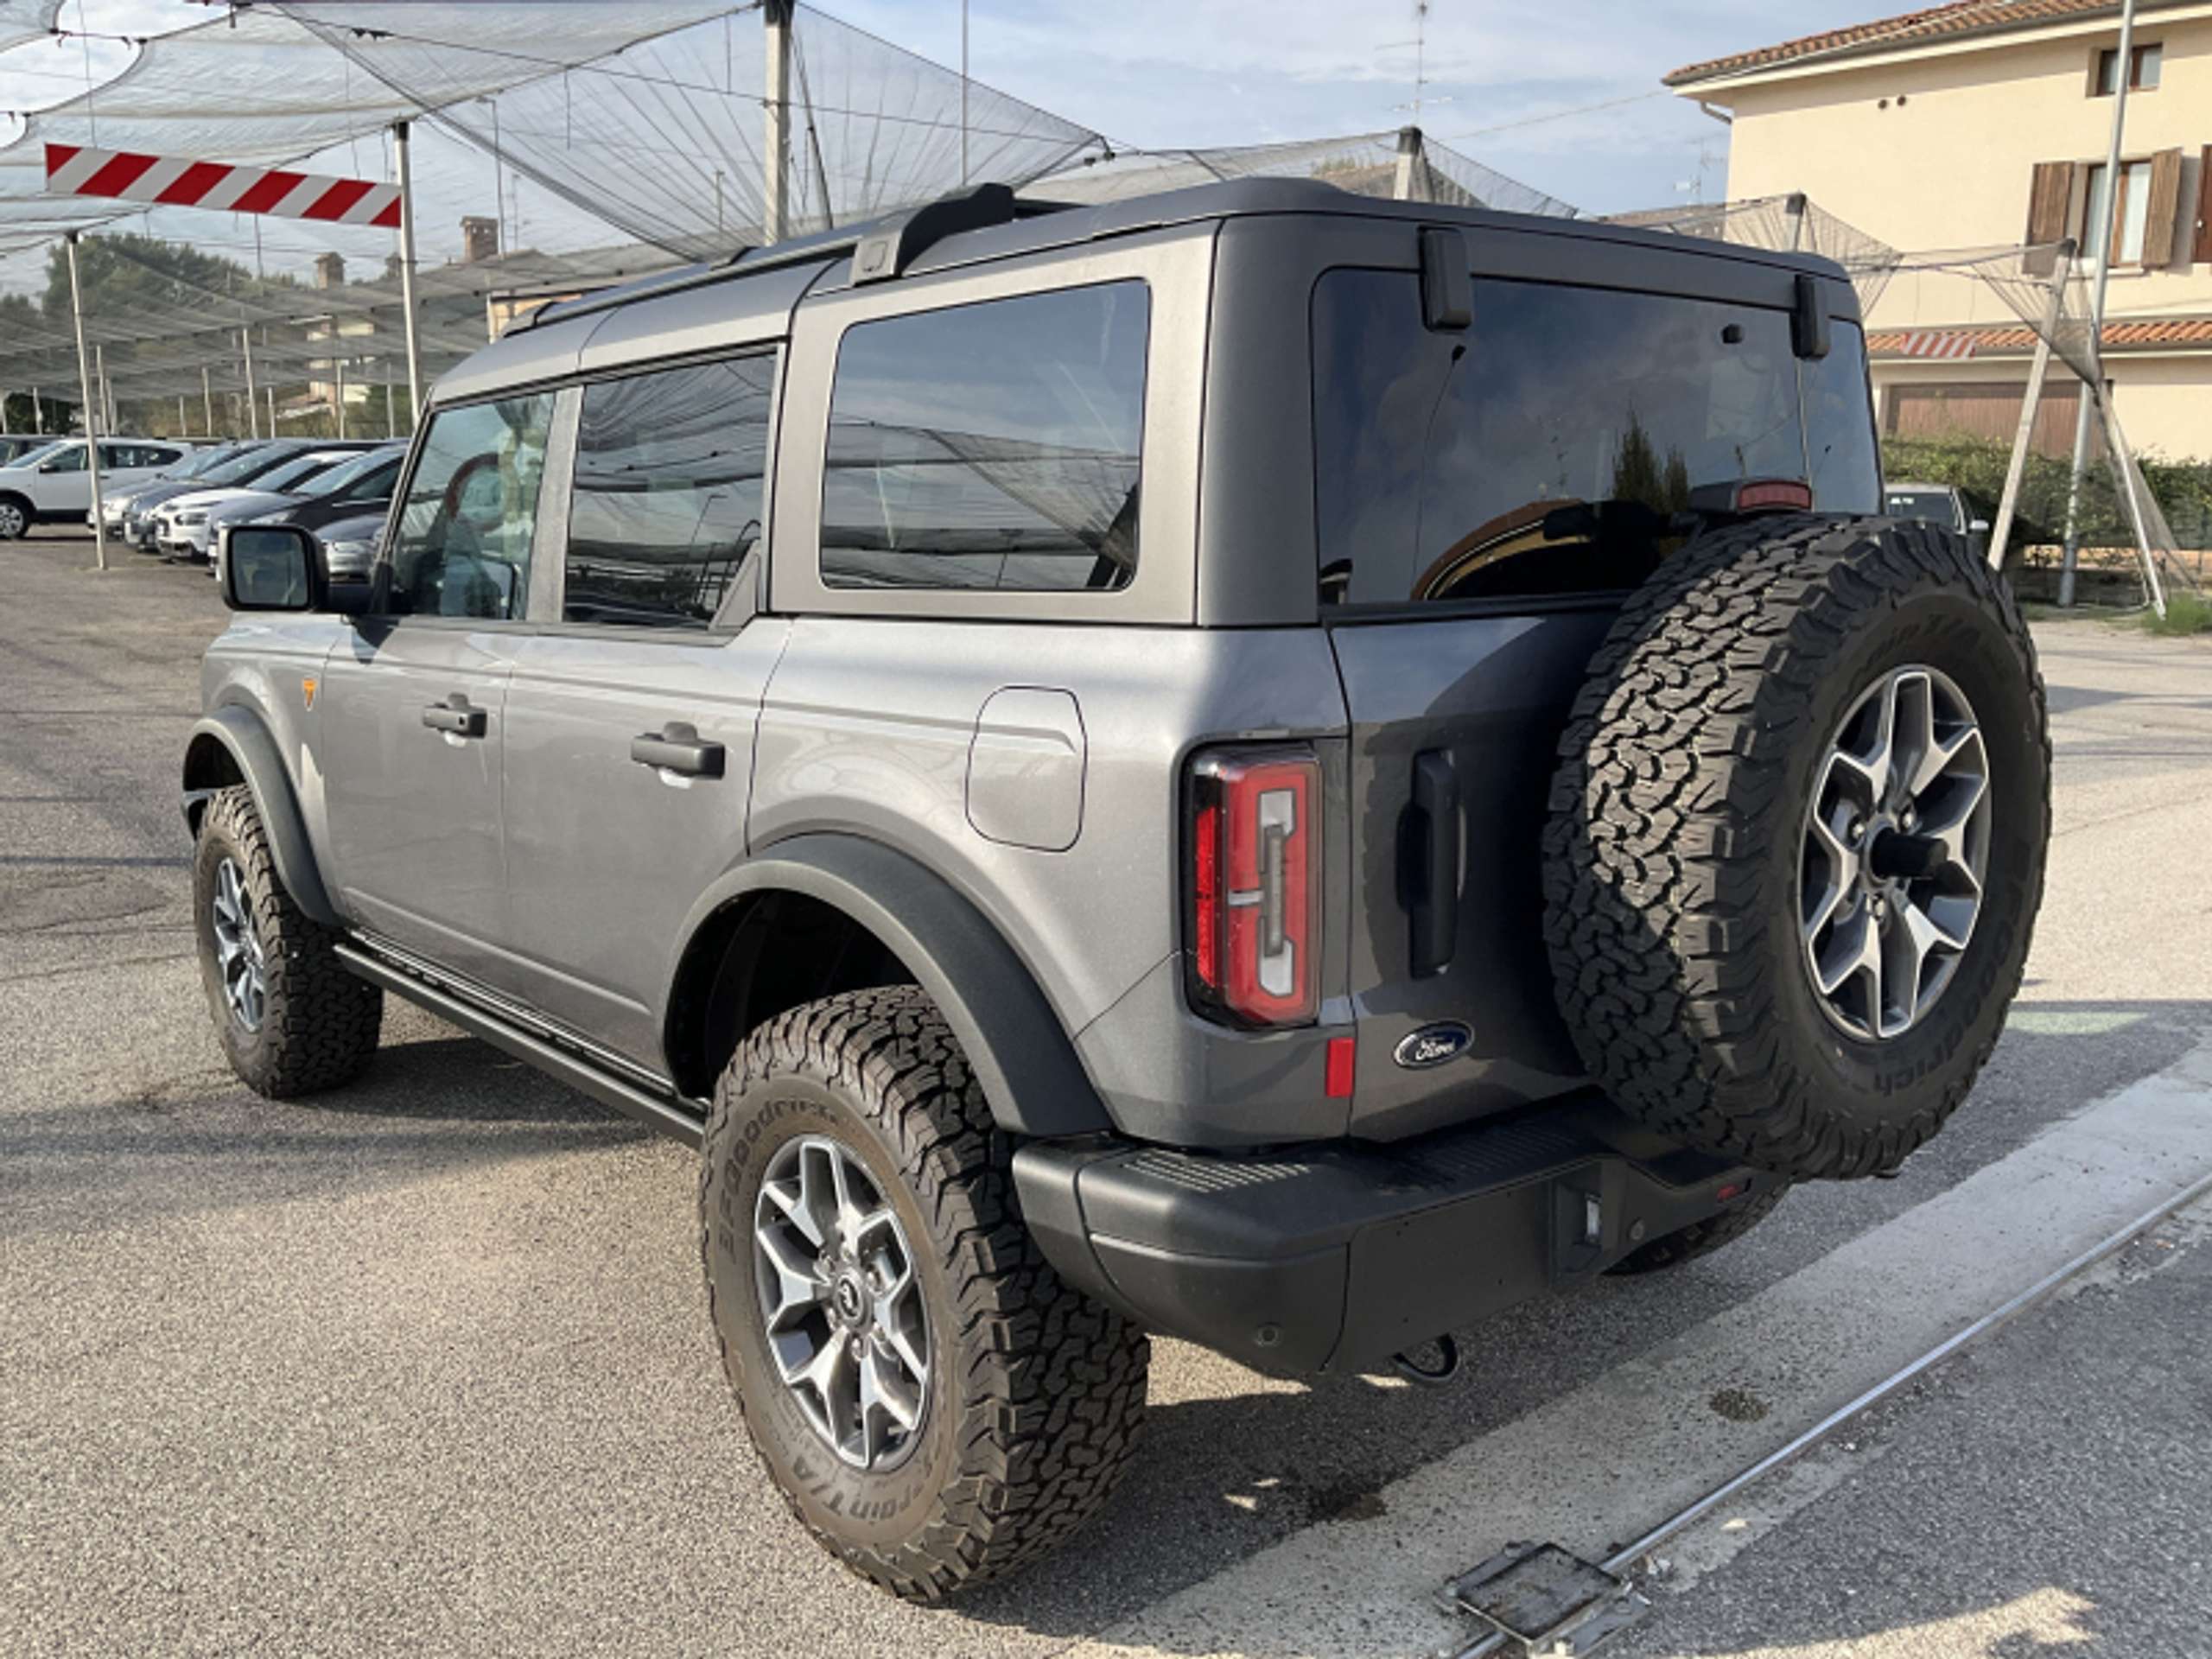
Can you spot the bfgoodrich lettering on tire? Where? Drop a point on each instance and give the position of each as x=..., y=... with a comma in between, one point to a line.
x=1796, y=839
x=935, y=1405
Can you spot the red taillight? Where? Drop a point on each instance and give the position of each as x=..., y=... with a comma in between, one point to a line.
x=1254, y=885
x=1764, y=494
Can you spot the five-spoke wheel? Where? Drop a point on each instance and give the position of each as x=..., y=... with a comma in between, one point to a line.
x=1896, y=846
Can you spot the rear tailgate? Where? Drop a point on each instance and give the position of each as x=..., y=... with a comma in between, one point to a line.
x=1454, y=724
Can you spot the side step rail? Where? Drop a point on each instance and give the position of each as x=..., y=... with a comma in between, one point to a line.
x=654, y=1111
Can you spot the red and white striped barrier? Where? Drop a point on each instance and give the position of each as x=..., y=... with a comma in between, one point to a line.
x=125, y=176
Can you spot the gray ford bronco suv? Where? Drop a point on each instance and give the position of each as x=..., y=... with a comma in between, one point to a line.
x=1254, y=765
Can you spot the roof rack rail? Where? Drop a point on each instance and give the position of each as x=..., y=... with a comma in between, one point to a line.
x=881, y=249
x=888, y=247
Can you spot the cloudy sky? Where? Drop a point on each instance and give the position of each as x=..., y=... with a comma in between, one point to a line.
x=1510, y=82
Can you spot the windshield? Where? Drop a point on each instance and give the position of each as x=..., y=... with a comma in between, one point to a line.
x=1935, y=506
x=348, y=473
x=297, y=470
x=30, y=456
x=249, y=464
x=1548, y=448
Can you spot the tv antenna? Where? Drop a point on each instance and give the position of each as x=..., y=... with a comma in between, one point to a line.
x=1420, y=44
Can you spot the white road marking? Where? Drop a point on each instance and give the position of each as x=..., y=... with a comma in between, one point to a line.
x=1594, y=1468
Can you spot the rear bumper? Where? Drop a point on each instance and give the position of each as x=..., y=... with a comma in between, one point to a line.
x=1333, y=1256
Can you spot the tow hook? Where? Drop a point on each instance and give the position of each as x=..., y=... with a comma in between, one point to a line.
x=1431, y=1376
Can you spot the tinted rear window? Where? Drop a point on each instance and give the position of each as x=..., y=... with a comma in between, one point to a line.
x=1543, y=450
x=989, y=446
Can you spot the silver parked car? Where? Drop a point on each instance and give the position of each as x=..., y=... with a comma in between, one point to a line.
x=1258, y=765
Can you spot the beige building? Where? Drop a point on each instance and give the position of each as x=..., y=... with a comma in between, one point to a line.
x=1986, y=123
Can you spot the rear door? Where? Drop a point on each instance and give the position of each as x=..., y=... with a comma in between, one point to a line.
x=631, y=712
x=1484, y=496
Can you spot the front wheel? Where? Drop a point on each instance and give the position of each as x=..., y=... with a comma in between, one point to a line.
x=14, y=518
x=292, y=1021
x=935, y=1405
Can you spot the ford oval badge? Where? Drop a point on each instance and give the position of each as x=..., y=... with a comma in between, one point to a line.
x=1434, y=1046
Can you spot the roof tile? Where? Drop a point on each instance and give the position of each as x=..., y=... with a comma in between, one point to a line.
x=1935, y=23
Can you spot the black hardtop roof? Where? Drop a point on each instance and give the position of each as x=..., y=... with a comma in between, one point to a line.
x=1031, y=226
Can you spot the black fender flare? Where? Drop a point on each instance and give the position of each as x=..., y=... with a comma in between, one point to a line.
x=1031, y=1078
x=254, y=753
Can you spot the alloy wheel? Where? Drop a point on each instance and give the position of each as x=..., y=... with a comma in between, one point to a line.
x=1896, y=847
x=238, y=947
x=841, y=1302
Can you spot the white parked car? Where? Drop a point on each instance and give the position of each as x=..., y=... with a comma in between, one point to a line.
x=56, y=484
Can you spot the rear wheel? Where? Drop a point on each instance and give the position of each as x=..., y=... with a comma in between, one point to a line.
x=937, y=1407
x=1796, y=842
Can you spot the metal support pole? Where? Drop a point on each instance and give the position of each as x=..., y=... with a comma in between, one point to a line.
x=85, y=381
x=183, y=425
x=776, y=156
x=252, y=408
x=390, y=406
x=963, y=92
x=100, y=379
x=2061, y=268
x=1796, y=209
x=270, y=392
x=207, y=398
x=1403, y=185
x=2123, y=458
x=407, y=270
x=38, y=415
x=338, y=365
x=2101, y=252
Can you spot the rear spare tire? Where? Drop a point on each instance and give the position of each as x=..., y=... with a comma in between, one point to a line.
x=1796, y=841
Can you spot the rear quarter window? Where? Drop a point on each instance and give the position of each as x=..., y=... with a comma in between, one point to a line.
x=1543, y=450
x=995, y=445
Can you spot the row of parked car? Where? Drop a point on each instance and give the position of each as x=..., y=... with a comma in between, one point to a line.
x=175, y=500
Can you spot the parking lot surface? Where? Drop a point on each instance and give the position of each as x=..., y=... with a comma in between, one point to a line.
x=423, y=1366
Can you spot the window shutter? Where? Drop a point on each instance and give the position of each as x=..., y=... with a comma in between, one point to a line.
x=2204, y=208
x=2166, y=210
x=2050, y=196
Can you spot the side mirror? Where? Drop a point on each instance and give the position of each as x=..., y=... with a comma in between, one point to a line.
x=271, y=567
x=1979, y=527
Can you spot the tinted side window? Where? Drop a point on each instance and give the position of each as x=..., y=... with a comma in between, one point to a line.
x=1544, y=450
x=989, y=446
x=666, y=505
x=463, y=547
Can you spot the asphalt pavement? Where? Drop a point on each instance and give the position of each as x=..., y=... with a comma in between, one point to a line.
x=423, y=1367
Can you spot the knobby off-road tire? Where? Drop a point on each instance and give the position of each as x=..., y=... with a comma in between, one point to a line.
x=317, y=1023
x=1702, y=1237
x=1678, y=818
x=1034, y=1394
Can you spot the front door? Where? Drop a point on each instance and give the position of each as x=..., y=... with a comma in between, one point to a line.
x=631, y=716
x=413, y=706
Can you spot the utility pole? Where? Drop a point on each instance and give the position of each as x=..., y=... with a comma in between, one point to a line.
x=2101, y=250
x=776, y=151
x=84, y=384
x=252, y=409
x=407, y=271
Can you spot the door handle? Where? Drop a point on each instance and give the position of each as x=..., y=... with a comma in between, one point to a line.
x=677, y=747
x=1435, y=907
x=454, y=716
